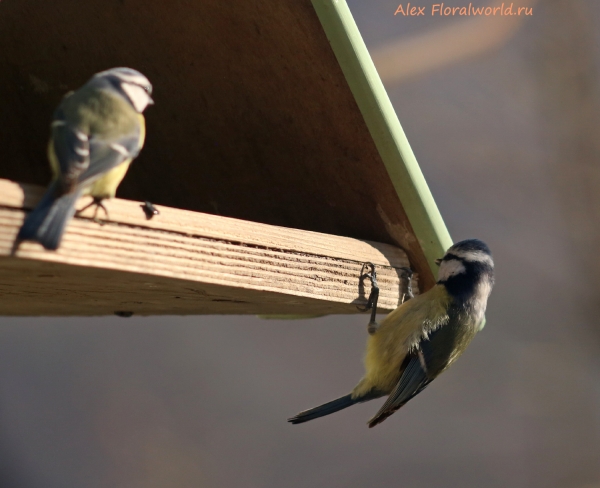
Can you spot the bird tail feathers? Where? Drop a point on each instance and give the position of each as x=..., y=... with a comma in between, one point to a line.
x=47, y=222
x=325, y=409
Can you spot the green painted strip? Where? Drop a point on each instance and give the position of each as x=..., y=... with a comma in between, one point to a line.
x=385, y=128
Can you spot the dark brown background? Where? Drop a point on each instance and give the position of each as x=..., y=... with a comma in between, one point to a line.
x=507, y=143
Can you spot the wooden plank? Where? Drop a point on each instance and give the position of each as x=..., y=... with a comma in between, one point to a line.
x=183, y=262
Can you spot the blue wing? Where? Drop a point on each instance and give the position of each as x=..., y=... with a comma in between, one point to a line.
x=83, y=158
x=422, y=366
x=72, y=150
x=413, y=381
x=106, y=155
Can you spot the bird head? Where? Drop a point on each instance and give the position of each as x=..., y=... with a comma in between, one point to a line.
x=131, y=83
x=466, y=268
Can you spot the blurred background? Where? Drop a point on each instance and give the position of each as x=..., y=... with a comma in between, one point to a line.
x=503, y=115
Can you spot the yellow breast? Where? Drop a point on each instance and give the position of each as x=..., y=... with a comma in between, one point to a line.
x=106, y=186
x=400, y=331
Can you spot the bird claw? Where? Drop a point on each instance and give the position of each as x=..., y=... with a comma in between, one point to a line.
x=406, y=279
x=97, y=201
x=373, y=296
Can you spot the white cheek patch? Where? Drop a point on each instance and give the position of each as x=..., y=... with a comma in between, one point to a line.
x=138, y=96
x=450, y=268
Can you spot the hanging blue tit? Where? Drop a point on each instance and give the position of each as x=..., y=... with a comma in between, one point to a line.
x=419, y=340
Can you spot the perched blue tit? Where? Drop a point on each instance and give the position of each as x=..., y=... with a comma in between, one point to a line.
x=96, y=132
x=423, y=336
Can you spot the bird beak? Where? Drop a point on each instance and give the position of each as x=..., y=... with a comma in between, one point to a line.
x=150, y=101
x=438, y=261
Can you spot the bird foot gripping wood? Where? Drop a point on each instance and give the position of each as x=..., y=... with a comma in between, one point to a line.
x=98, y=204
x=373, y=296
x=406, y=277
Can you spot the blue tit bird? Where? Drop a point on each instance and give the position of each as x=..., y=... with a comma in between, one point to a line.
x=421, y=338
x=96, y=132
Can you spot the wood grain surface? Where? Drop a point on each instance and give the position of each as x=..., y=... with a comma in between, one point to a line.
x=184, y=262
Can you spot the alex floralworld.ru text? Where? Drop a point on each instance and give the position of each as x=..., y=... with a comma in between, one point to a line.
x=441, y=10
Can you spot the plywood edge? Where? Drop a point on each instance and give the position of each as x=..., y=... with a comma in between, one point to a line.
x=386, y=131
x=183, y=262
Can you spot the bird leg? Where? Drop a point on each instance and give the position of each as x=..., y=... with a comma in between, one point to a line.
x=373, y=296
x=406, y=277
x=97, y=201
